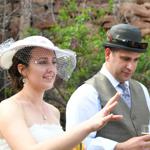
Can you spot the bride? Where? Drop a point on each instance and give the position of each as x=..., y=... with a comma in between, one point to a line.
x=27, y=122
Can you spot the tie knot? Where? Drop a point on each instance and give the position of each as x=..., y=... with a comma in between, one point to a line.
x=123, y=86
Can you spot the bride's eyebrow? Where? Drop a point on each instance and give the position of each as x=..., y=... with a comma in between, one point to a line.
x=43, y=58
x=40, y=57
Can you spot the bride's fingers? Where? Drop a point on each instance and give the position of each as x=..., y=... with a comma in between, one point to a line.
x=116, y=117
x=111, y=103
x=116, y=97
x=109, y=108
x=107, y=118
x=112, y=117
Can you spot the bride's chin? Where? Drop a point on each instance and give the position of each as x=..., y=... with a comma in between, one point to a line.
x=49, y=86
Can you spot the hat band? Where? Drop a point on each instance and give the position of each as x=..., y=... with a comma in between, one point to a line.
x=129, y=43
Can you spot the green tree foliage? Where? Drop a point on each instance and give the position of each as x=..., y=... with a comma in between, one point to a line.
x=143, y=70
x=72, y=31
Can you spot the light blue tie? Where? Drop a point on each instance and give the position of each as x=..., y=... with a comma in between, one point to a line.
x=125, y=94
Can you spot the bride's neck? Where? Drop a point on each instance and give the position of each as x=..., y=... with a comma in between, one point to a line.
x=31, y=94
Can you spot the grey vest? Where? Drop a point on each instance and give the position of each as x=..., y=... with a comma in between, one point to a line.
x=133, y=118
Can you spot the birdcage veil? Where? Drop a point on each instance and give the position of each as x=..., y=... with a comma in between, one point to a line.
x=66, y=59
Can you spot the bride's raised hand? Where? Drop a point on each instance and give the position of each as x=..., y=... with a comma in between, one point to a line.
x=105, y=115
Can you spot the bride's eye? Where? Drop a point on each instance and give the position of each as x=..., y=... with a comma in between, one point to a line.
x=41, y=62
x=54, y=61
x=45, y=61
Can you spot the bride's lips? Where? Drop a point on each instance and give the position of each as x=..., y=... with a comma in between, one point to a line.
x=49, y=77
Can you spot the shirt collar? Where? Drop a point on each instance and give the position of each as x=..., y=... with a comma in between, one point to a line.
x=110, y=77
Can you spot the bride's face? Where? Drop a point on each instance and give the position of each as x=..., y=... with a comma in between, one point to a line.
x=42, y=69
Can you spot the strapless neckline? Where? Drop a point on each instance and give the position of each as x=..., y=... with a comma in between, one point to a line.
x=44, y=125
x=40, y=132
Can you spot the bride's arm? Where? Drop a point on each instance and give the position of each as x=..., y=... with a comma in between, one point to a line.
x=14, y=129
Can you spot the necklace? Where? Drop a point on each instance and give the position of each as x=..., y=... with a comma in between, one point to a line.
x=44, y=116
x=41, y=109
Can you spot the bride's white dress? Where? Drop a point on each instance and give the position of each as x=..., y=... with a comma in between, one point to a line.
x=39, y=132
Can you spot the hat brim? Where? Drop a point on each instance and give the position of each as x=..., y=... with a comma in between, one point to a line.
x=66, y=59
x=117, y=46
x=7, y=55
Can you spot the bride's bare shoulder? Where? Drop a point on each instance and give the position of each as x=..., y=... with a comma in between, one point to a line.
x=8, y=107
x=7, y=102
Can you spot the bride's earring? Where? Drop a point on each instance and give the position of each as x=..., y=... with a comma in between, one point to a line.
x=24, y=80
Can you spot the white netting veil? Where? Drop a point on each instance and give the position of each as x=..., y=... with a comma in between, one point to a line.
x=6, y=60
x=66, y=59
x=65, y=63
